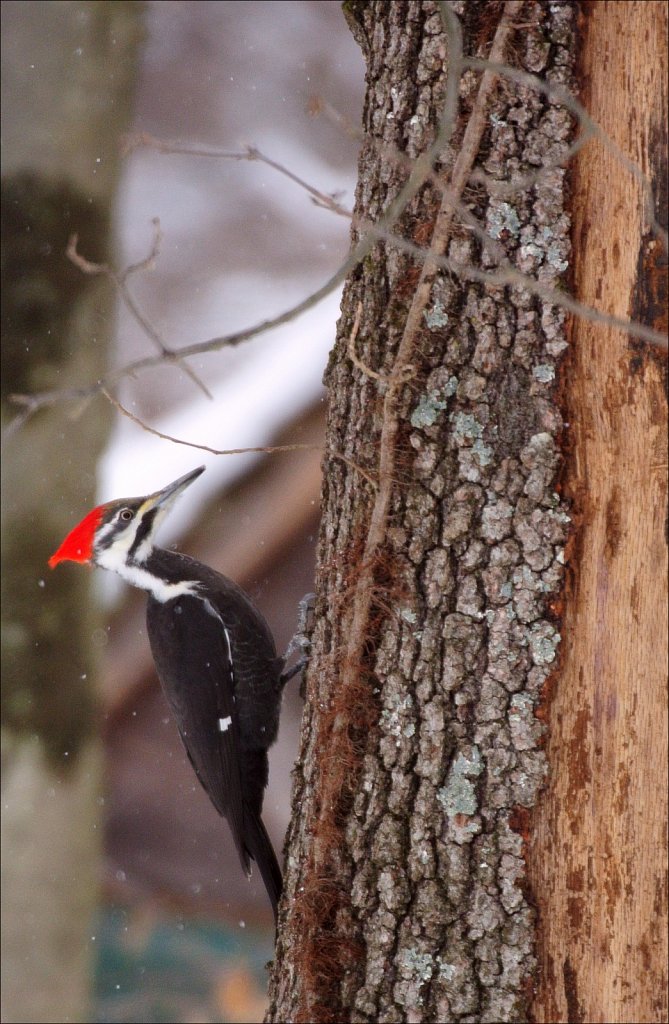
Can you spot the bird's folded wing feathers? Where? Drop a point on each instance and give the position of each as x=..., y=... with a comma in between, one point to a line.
x=197, y=676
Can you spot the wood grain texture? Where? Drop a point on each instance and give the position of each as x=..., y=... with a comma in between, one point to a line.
x=597, y=859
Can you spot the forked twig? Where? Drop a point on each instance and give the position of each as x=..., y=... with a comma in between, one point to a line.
x=250, y=153
x=120, y=282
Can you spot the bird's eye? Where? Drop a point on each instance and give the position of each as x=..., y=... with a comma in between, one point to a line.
x=125, y=514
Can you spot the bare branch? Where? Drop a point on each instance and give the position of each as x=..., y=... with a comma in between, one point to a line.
x=250, y=153
x=264, y=449
x=149, y=262
x=319, y=105
x=204, y=447
x=420, y=172
x=33, y=403
x=591, y=129
x=119, y=281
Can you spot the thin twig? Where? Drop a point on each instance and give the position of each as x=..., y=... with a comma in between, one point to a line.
x=559, y=94
x=352, y=353
x=149, y=261
x=589, y=129
x=33, y=403
x=319, y=105
x=373, y=232
x=401, y=375
x=420, y=172
x=508, y=275
x=250, y=153
x=120, y=283
x=264, y=449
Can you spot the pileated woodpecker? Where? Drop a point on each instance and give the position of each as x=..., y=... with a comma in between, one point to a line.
x=215, y=657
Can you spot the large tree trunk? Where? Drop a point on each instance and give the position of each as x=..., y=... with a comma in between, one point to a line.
x=421, y=750
x=598, y=854
x=68, y=70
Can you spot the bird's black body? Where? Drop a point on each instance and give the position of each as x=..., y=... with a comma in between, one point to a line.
x=218, y=667
x=215, y=657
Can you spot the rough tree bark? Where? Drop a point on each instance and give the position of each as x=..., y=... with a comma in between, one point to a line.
x=68, y=71
x=421, y=749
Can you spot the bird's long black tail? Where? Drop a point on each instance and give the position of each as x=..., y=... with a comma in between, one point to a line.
x=261, y=850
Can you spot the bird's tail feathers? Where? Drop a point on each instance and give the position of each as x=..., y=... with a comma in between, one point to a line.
x=261, y=850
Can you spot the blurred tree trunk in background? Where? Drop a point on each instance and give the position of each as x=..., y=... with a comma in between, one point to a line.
x=68, y=74
x=438, y=625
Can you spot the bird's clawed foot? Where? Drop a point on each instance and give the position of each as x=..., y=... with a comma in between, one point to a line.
x=301, y=640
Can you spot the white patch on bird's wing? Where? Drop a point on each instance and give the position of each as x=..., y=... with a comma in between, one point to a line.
x=212, y=611
x=228, y=643
x=227, y=640
x=224, y=724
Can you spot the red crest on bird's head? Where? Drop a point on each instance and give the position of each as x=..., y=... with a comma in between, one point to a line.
x=78, y=545
x=118, y=533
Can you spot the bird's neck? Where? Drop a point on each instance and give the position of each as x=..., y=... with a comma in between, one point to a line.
x=148, y=574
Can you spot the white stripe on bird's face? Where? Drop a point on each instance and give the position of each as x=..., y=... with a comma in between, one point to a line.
x=113, y=550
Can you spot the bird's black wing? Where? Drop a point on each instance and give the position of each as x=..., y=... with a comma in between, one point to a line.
x=191, y=649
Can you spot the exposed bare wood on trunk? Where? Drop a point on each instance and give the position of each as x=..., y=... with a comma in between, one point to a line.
x=598, y=862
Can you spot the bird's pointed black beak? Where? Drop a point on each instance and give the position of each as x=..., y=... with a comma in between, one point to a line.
x=165, y=497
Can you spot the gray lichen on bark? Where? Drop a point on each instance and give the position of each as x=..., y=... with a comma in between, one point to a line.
x=422, y=913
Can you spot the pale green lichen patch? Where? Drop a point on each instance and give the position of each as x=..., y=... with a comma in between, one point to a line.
x=433, y=403
x=502, y=218
x=409, y=616
x=427, y=411
x=417, y=964
x=447, y=971
x=458, y=796
x=483, y=452
x=544, y=373
x=543, y=640
x=524, y=727
x=466, y=428
x=392, y=718
x=436, y=317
